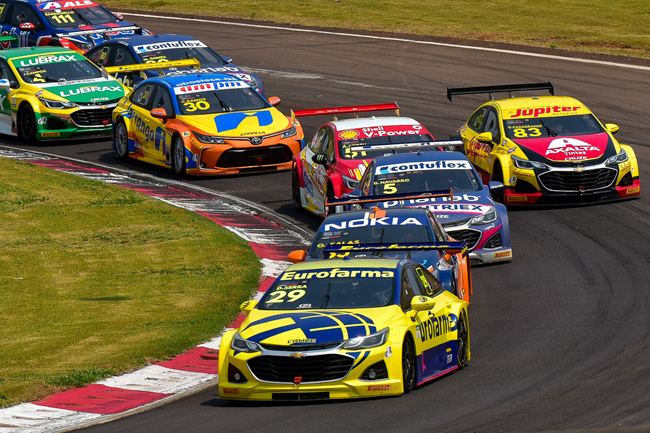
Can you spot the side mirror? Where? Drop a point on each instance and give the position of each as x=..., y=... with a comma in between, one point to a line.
x=297, y=256
x=356, y=193
x=159, y=113
x=494, y=185
x=422, y=303
x=119, y=16
x=227, y=59
x=247, y=306
x=5, y=84
x=274, y=100
x=484, y=137
x=319, y=158
x=30, y=27
x=612, y=128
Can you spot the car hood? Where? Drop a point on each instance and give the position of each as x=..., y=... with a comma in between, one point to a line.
x=86, y=91
x=240, y=123
x=313, y=327
x=464, y=205
x=569, y=148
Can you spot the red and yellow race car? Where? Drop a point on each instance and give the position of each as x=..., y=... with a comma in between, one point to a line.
x=547, y=149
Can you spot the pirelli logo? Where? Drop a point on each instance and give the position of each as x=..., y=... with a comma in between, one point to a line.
x=517, y=198
x=502, y=254
x=378, y=387
x=634, y=190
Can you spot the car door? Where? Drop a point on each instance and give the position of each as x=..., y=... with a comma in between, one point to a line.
x=485, y=119
x=140, y=119
x=162, y=138
x=313, y=173
x=5, y=99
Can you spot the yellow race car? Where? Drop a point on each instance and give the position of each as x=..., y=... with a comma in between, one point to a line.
x=344, y=328
x=547, y=149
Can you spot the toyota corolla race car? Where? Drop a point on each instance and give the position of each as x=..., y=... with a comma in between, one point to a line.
x=547, y=149
x=446, y=184
x=344, y=328
x=77, y=24
x=204, y=124
x=54, y=93
x=164, y=48
x=414, y=233
x=330, y=166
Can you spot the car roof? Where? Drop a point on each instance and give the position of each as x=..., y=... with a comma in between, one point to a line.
x=359, y=214
x=33, y=51
x=537, y=101
x=368, y=122
x=365, y=263
x=428, y=155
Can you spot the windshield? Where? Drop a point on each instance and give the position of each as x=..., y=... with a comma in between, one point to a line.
x=404, y=230
x=538, y=127
x=218, y=101
x=74, y=17
x=423, y=177
x=179, y=50
x=56, y=68
x=335, y=288
x=347, y=147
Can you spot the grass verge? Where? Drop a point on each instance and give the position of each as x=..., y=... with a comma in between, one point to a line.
x=619, y=27
x=97, y=280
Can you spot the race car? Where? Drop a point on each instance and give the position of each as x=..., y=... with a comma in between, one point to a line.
x=328, y=167
x=416, y=230
x=204, y=124
x=76, y=24
x=446, y=184
x=547, y=149
x=54, y=93
x=163, y=48
x=344, y=328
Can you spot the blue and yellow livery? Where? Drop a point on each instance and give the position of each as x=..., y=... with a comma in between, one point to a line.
x=344, y=328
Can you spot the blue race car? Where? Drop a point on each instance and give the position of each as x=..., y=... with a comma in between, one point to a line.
x=78, y=24
x=413, y=233
x=164, y=48
x=446, y=184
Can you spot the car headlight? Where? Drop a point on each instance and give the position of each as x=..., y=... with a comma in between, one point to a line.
x=241, y=345
x=526, y=164
x=56, y=104
x=488, y=217
x=349, y=182
x=209, y=139
x=372, y=340
x=289, y=132
x=617, y=159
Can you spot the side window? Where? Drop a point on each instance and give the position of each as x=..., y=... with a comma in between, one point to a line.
x=100, y=56
x=7, y=74
x=434, y=284
x=4, y=8
x=23, y=13
x=440, y=233
x=476, y=120
x=163, y=100
x=122, y=56
x=328, y=145
x=316, y=141
x=142, y=95
x=492, y=125
x=406, y=292
x=366, y=180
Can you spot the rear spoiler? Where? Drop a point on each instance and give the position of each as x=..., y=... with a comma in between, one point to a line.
x=100, y=31
x=138, y=67
x=9, y=38
x=500, y=89
x=383, y=198
x=450, y=247
x=425, y=145
x=351, y=109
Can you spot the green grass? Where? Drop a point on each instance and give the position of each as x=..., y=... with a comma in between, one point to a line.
x=620, y=27
x=97, y=280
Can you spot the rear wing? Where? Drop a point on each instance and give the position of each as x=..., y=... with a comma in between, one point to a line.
x=139, y=67
x=12, y=39
x=401, y=146
x=450, y=247
x=352, y=109
x=509, y=88
x=383, y=198
x=100, y=31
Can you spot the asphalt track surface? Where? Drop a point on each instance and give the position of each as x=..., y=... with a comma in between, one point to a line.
x=559, y=336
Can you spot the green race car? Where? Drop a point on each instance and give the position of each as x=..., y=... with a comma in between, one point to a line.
x=54, y=93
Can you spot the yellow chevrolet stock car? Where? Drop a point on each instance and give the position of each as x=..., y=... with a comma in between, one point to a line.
x=344, y=328
x=547, y=149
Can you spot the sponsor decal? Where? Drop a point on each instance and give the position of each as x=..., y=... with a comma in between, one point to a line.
x=437, y=326
x=517, y=198
x=378, y=387
x=538, y=111
x=511, y=150
x=349, y=134
x=141, y=125
x=203, y=87
x=423, y=166
x=186, y=134
x=230, y=390
x=336, y=273
x=624, y=166
x=230, y=121
x=43, y=60
x=168, y=46
x=206, y=80
x=502, y=254
x=571, y=148
x=523, y=173
x=449, y=357
x=634, y=190
x=50, y=134
x=389, y=352
x=301, y=340
x=371, y=222
x=417, y=332
x=48, y=6
x=384, y=131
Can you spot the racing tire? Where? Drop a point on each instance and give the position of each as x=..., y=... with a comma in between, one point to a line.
x=408, y=365
x=27, y=124
x=295, y=188
x=497, y=175
x=121, y=141
x=462, y=340
x=178, y=156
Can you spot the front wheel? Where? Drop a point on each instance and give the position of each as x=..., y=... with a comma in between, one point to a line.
x=121, y=140
x=178, y=155
x=462, y=341
x=408, y=365
x=27, y=124
x=497, y=175
x=295, y=188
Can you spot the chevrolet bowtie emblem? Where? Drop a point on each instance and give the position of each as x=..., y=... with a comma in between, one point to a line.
x=297, y=355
